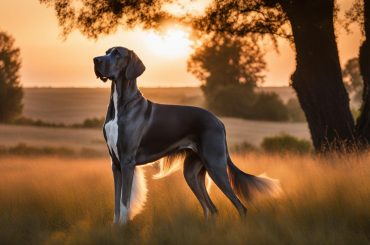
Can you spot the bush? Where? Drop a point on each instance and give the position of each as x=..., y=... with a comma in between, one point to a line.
x=295, y=111
x=286, y=144
x=36, y=122
x=241, y=101
x=243, y=148
x=231, y=101
x=269, y=106
x=23, y=149
x=87, y=123
x=93, y=122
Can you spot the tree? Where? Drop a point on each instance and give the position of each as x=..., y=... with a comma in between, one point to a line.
x=223, y=61
x=360, y=12
x=94, y=18
x=352, y=78
x=230, y=68
x=317, y=79
x=11, y=93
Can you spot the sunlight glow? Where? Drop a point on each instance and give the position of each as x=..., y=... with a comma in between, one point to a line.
x=173, y=43
x=183, y=7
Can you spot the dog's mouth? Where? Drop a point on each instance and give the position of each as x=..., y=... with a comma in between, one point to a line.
x=100, y=75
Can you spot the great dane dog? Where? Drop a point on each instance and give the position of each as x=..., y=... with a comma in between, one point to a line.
x=138, y=131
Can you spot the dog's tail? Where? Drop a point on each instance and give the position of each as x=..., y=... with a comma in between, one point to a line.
x=246, y=186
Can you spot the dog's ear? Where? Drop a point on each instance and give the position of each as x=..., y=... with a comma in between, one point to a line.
x=135, y=67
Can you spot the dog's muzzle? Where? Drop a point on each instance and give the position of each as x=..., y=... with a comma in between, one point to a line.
x=97, y=63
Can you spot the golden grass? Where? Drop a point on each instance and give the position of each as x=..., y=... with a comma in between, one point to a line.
x=49, y=200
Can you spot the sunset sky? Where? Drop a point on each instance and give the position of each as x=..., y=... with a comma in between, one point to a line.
x=48, y=60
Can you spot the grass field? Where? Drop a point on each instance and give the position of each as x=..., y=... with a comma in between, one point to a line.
x=48, y=200
x=68, y=199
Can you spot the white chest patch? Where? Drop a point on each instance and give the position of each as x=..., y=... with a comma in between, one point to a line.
x=111, y=127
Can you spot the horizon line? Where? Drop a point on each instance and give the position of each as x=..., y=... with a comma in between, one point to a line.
x=87, y=87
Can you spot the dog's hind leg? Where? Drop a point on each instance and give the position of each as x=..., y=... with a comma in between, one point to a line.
x=194, y=173
x=202, y=185
x=214, y=156
x=219, y=175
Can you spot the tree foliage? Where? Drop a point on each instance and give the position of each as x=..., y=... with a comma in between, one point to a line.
x=355, y=15
x=11, y=93
x=352, y=75
x=353, y=79
x=241, y=18
x=222, y=60
x=94, y=18
x=230, y=68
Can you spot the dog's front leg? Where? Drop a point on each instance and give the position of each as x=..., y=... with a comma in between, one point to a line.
x=127, y=173
x=117, y=192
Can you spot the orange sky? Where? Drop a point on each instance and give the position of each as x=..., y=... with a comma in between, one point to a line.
x=47, y=60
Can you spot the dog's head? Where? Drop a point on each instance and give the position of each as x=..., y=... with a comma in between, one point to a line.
x=118, y=61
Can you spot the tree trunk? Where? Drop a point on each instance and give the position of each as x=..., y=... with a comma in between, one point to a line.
x=363, y=122
x=317, y=79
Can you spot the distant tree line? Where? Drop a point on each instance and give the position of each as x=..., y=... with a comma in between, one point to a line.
x=11, y=92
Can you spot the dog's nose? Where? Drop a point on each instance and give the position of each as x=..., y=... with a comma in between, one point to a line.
x=97, y=60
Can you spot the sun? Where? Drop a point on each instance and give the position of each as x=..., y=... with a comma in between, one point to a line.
x=173, y=43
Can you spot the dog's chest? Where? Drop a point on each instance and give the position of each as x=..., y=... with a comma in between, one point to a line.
x=111, y=128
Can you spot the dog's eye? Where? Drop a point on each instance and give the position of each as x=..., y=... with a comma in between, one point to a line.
x=116, y=53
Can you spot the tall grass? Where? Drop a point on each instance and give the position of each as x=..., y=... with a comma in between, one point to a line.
x=49, y=200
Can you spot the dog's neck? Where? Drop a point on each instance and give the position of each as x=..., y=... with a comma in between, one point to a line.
x=127, y=91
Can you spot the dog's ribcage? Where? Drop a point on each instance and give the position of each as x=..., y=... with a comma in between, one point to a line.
x=111, y=127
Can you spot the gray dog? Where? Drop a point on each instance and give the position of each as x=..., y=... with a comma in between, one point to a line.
x=138, y=132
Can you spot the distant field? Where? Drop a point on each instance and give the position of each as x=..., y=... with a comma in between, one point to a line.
x=237, y=131
x=51, y=200
x=73, y=105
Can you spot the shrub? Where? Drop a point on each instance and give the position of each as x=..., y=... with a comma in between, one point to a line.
x=295, y=111
x=36, y=122
x=269, y=106
x=231, y=101
x=87, y=123
x=243, y=148
x=286, y=144
x=23, y=149
x=93, y=122
x=241, y=101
